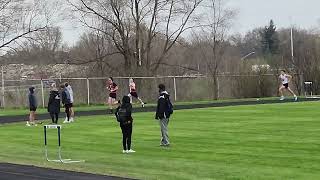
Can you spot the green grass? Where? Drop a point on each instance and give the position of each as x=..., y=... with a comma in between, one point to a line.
x=24, y=111
x=245, y=142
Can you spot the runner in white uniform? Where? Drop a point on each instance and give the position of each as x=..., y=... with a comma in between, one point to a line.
x=285, y=79
x=133, y=92
x=69, y=88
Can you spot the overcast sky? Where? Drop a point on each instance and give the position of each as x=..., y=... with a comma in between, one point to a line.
x=255, y=13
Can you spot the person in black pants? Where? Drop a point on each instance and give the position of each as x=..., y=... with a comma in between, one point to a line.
x=33, y=107
x=123, y=114
x=66, y=101
x=54, y=104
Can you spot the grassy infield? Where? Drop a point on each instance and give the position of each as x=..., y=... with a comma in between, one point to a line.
x=244, y=142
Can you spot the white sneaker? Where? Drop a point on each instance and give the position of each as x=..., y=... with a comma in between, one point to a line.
x=124, y=151
x=131, y=151
x=71, y=119
x=282, y=98
x=66, y=121
x=28, y=124
x=142, y=104
x=295, y=98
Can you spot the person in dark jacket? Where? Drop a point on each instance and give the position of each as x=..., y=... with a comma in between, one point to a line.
x=33, y=107
x=54, y=104
x=163, y=115
x=66, y=101
x=125, y=123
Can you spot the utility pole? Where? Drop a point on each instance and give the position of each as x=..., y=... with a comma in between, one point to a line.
x=2, y=84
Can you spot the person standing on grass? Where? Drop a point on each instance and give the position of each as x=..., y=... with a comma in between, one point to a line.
x=133, y=92
x=69, y=88
x=285, y=79
x=32, y=106
x=54, y=104
x=164, y=111
x=65, y=96
x=123, y=115
x=112, y=87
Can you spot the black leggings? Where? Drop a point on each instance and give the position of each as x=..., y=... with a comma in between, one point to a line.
x=126, y=136
x=54, y=117
x=67, y=110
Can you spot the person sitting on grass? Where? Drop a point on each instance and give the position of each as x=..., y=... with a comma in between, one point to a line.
x=123, y=115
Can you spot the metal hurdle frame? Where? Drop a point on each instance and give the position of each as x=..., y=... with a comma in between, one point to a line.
x=308, y=85
x=309, y=95
x=60, y=159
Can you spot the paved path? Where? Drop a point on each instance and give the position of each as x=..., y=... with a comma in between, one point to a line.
x=23, y=172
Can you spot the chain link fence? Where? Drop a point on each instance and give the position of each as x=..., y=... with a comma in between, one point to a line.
x=181, y=88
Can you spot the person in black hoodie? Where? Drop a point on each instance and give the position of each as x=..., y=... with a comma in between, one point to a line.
x=66, y=101
x=123, y=115
x=54, y=104
x=163, y=114
x=33, y=107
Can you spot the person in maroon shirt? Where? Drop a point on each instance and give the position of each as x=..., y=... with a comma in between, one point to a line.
x=112, y=87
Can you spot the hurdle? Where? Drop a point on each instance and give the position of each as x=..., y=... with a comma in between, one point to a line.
x=60, y=159
x=308, y=89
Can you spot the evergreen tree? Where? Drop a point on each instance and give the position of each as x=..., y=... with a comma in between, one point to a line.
x=270, y=39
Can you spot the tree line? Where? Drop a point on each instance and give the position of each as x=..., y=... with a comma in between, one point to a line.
x=155, y=37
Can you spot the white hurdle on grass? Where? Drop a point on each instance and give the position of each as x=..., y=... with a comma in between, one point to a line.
x=58, y=127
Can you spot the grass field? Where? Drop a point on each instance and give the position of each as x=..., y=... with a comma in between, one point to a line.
x=279, y=141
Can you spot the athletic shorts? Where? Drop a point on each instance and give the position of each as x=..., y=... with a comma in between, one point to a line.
x=33, y=109
x=113, y=95
x=68, y=105
x=286, y=85
x=134, y=94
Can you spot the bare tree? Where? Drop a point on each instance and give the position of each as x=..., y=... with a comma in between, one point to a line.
x=211, y=40
x=95, y=50
x=19, y=18
x=40, y=47
x=143, y=31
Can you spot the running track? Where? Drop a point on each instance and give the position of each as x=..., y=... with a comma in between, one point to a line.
x=19, y=118
x=24, y=172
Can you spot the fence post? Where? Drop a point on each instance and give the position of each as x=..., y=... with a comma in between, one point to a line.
x=302, y=90
x=175, y=88
x=42, y=93
x=218, y=88
x=2, y=84
x=88, y=91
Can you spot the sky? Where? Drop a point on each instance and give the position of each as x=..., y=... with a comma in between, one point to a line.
x=257, y=13
x=251, y=14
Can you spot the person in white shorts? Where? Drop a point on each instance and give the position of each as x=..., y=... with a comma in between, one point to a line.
x=69, y=89
x=285, y=79
x=133, y=92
